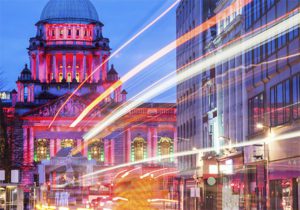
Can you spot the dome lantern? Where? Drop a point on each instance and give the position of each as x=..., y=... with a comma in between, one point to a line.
x=25, y=74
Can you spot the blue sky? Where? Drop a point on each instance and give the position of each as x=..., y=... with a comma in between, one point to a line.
x=121, y=18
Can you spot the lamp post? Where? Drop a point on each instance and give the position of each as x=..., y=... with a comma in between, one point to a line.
x=266, y=157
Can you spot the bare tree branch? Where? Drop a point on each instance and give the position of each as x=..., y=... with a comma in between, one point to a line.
x=2, y=79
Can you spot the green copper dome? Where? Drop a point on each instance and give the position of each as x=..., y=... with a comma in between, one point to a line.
x=69, y=11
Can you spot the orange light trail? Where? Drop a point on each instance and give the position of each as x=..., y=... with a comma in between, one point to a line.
x=276, y=138
x=114, y=54
x=157, y=88
x=165, y=50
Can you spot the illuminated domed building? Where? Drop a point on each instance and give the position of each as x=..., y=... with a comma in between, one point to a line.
x=68, y=46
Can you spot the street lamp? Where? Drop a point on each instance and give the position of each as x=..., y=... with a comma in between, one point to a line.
x=266, y=154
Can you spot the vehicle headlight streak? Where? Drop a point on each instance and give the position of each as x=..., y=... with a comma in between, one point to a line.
x=227, y=44
x=167, y=83
x=114, y=54
x=164, y=51
x=266, y=140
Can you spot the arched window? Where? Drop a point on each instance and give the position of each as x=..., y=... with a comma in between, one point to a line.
x=138, y=149
x=41, y=150
x=69, y=77
x=60, y=77
x=165, y=147
x=67, y=143
x=96, y=150
x=77, y=77
x=25, y=93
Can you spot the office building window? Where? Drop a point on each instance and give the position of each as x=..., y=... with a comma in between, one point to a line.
x=271, y=46
x=256, y=9
x=255, y=112
x=280, y=103
x=270, y=3
x=294, y=33
x=281, y=41
x=296, y=96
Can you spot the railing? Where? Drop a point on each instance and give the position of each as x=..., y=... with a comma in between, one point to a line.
x=69, y=42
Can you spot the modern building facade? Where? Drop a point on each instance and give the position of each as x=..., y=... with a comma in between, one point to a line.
x=190, y=13
x=69, y=46
x=272, y=84
x=252, y=96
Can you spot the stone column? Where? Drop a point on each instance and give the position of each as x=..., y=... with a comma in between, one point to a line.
x=52, y=148
x=112, y=151
x=84, y=66
x=101, y=67
x=55, y=77
x=154, y=146
x=25, y=146
x=93, y=79
x=106, y=152
x=175, y=141
x=96, y=75
x=31, y=148
x=104, y=68
x=74, y=67
x=32, y=65
x=149, y=142
x=58, y=146
x=37, y=66
x=46, y=62
x=85, y=148
x=64, y=67
x=128, y=145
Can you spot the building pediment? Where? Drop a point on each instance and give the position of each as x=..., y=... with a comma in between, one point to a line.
x=72, y=108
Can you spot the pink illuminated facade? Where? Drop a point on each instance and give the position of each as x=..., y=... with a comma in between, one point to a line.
x=67, y=48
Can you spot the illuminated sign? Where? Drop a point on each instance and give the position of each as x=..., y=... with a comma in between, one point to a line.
x=224, y=169
x=211, y=181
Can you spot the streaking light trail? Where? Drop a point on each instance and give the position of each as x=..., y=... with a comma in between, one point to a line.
x=114, y=54
x=165, y=50
x=167, y=83
x=266, y=140
x=221, y=47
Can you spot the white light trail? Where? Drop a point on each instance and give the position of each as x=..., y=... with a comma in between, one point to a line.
x=167, y=173
x=114, y=54
x=168, y=82
x=237, y=5
x=267, y=140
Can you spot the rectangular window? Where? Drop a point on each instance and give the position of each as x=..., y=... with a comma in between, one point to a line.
x=256, y=112
x=271, y=47
x=280, y=103
x=263, y=6
x=296, y=96
x=281, y=41
x=270, y=3
x=77, y=32
x=294, y=33
x=256, y=9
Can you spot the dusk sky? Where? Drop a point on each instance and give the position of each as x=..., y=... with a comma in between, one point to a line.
x=121, y=18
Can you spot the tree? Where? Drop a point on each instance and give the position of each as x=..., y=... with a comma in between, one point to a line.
x=5, y=160
x=2, y=84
